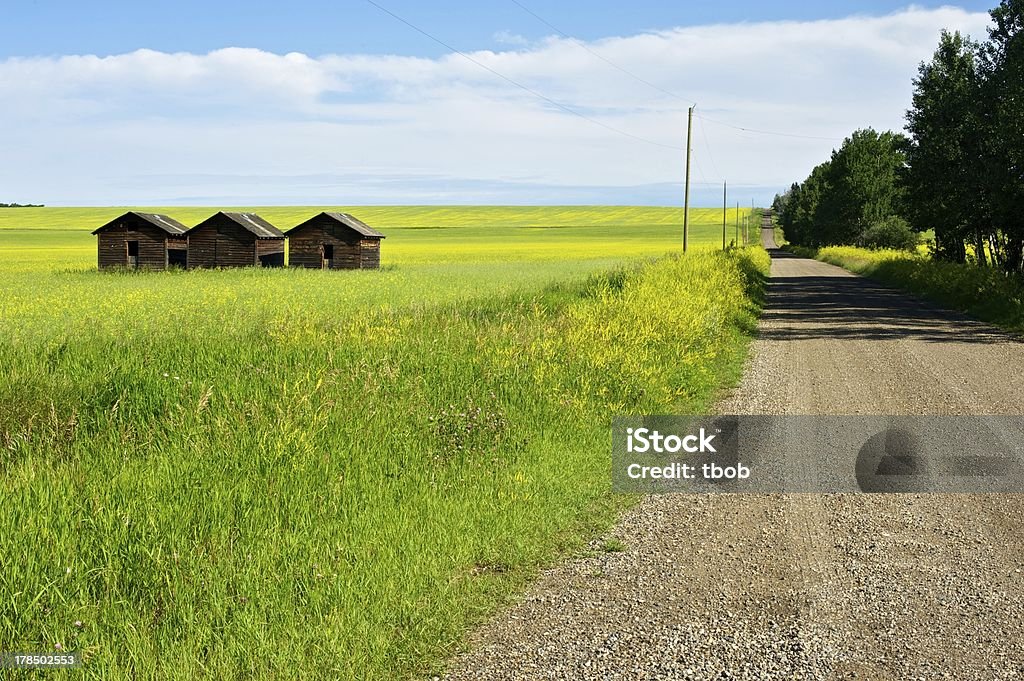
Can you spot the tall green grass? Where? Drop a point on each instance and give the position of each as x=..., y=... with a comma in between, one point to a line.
x=984, y=292
x=262, y=489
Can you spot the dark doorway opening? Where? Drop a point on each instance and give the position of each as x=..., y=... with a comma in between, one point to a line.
x=133, y=254
x=328, y=256
x=177, y=257
x=272, y=260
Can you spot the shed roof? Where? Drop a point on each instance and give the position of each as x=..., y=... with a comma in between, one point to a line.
x=255, y=224
x=169, y=225
x=347, y=220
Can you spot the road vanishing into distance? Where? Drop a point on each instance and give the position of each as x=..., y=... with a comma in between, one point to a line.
x=811, y=586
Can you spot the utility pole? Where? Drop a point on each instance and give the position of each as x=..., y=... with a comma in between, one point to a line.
x=725, y=210
x=756, y=228
x=686, y=203
x=737, y=224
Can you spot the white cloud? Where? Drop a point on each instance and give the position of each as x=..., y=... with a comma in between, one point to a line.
x=86, y=129
x=509, y=38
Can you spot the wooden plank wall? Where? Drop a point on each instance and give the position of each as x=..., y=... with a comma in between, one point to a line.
x=112, y=245
x=304, y=249
x=236, y=246
x=369, y=254
x=202, y=248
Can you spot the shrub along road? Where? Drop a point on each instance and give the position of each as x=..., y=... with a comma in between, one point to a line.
x=803, y=586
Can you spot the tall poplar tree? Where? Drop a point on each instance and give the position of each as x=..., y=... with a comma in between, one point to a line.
x=1002, y=107
x=944, y=178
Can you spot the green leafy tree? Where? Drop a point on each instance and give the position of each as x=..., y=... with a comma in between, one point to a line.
x=892, y=232
x=945, y=188
x=856, y=190
x=1002, y=117
x=864, y=187
x=800, y=222
x=780, y=201
x=785, y=209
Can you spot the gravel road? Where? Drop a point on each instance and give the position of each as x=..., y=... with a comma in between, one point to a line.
x=803, y=586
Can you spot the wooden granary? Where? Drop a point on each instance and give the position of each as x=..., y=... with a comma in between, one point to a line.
x=235, y=240
x=334, y=241
x=144, y=240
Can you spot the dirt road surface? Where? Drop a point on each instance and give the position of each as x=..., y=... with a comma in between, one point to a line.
x=803, y=586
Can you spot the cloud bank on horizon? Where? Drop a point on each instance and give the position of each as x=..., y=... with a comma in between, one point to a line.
x=241, y=126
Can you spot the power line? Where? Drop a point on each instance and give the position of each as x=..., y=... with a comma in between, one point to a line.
x=519, y=85
x=707, y=145
x=629, y=73
x=704, y=179
x=578, y=114
x=770, y=132
x=583, y=45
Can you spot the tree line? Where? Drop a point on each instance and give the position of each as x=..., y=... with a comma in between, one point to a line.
x=958, y=170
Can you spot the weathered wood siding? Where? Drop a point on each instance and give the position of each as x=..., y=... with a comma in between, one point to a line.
x=351, y=250
x=112, y=245
x=236, y=246
x=222, y=242
x=202, y=248
x=305, y=249
x=369, y=254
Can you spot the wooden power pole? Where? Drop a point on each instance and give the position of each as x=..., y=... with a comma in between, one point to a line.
x=725, y=210
x=751, y=225
x=686, y=202
x=737, y=224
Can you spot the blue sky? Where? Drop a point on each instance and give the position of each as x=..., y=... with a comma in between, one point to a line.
x=48, y=27
x=232, y=103
x=73, y=27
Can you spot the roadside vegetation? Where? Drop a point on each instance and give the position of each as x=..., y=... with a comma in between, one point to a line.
x=780, y=236
x=241, y=474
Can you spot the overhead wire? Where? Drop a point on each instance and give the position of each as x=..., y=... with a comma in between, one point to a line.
x=581, y=44
x=769, y=132
x=660, y=89
x=631, y=74
x=707, y=146
x=519, y=85
x=567, y=109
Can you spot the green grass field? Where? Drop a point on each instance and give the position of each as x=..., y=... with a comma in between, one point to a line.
x=305, y=474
